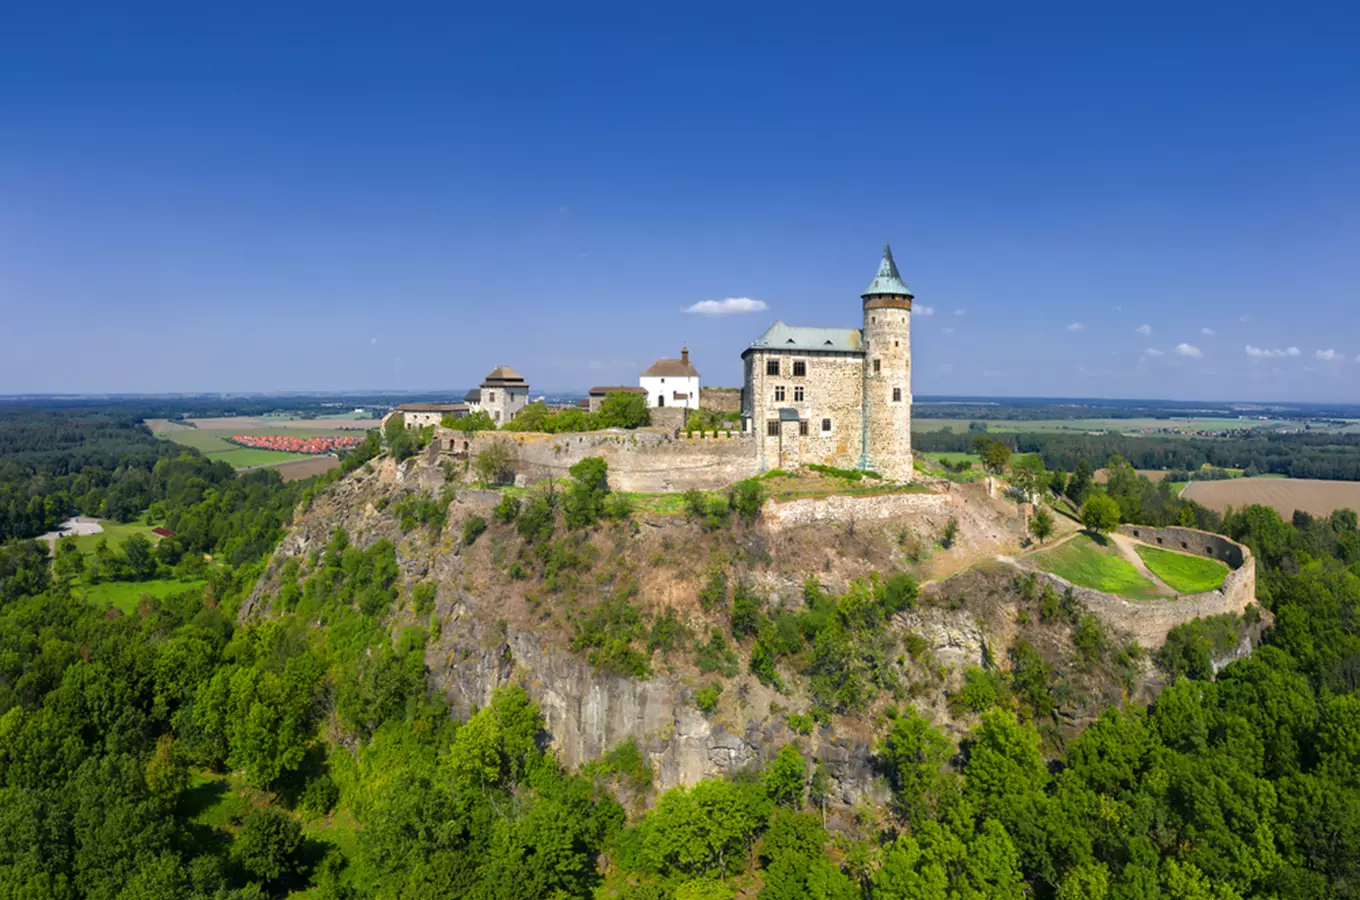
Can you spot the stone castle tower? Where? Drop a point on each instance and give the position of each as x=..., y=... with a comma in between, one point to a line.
x=887, y=373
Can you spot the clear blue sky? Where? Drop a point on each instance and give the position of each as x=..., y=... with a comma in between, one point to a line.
x=283, y=196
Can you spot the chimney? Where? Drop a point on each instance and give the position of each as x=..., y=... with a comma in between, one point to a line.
x=684, y=354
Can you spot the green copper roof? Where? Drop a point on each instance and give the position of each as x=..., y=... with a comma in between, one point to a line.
x=797, y=337
x=887, y=281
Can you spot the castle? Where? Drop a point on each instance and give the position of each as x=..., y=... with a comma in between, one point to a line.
x=836, y=396
x=832, y=396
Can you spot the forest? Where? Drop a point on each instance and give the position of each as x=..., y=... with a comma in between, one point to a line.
x=1326, y=456
x=118, y=731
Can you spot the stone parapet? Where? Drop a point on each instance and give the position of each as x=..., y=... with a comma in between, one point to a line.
x=841, y=508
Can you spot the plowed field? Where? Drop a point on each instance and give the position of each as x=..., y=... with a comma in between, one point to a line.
x=1284, y=494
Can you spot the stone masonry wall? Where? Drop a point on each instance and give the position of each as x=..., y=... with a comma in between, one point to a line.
x=1190, y=540
x=647, y=461
x=1148, y=621
x=841, y=508
x=887, y=361
x=832, y=389
x=726, y=400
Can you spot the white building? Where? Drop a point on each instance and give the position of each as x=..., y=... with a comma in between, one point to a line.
x=672, y=382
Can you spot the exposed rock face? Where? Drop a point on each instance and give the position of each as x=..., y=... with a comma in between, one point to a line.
x=491, y=633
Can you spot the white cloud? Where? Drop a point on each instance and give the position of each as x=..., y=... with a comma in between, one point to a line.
x=1207, y=332
x=372, y=341
x=1153, y=351
x=1245, y=318
x=947, y=330
x=1144, y=330
x=1327, y=355
x=1261, y=353
x=1189, y=350
x=922, y=310
x=1075, y=326
x=960, y=312
x=729, y=307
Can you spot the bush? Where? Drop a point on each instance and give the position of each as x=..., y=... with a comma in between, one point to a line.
x=982, y=689
x=747, y=616
x=715, y=657
x=706, y=698
x=713, y=595
x=472, y=529
x=746, y=498
x=507, y=510
x=422, y=598
x=950, y=533
x=319, y=796
x=800, y=723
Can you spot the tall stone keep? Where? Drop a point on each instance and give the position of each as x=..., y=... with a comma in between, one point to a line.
x=887, y=373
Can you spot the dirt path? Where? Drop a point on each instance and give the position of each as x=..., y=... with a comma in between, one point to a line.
x=1126, y=547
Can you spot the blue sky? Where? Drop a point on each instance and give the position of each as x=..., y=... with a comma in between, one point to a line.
x=291, y=197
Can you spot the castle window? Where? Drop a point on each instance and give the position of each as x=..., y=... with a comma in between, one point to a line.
x=802, y=427
x=772, y=367
x=826, y=425
x=876, y=366
x=491, y=397
x=772, y=428
x=798, y=393
x=799, y=368
x=779, y=393
x=897, y=395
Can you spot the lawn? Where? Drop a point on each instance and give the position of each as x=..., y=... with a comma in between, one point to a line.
x=955, y=458
x=1098, y=566
x=115, y=532
x=125, y=594
x=248, y=457
x=1185, y=574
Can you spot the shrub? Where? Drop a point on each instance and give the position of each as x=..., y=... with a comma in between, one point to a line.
x=800, y=723
x=507, y=510
x=747, y=616
x=713, y=595
x=950, y=533
x=472, y=529
x=319, y=796
x=715, y=656
x=626, y=762
x=618, y=507
x=982, y=689
x=746, y=498
x=422, y=598
x=706, y=698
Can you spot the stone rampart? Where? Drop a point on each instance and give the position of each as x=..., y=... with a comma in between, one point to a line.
x=1148, y=621
x=642, y=460
x=1190, y=540
x=726, y=400
x=841, y=508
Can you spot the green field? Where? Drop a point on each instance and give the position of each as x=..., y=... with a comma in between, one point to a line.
x=954, y=458
x=249, y=457
x=1088, y=564
x=1185, y=574
x=125, y=594
x=213, y=443
x=115, y=533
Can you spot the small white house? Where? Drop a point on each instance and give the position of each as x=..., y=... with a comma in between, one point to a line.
x=672, y=382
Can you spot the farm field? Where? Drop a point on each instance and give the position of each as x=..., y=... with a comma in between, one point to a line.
x=1085, y=425
x=211, y=436
x=307, y=467
x=1284, y=495
x=1184, y=573
x=1154, y=475
x=1100, y=567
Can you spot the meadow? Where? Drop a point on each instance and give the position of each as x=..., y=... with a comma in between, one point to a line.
x=1182, y=572
x=115, y=533
x=125, y=595
x=1096, y=563
x=1081, y=426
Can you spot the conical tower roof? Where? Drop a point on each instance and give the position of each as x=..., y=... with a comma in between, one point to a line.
x=887, y=281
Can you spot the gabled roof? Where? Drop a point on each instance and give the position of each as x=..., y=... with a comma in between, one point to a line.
x=780, y=336
x=617, y=389
x=473, y=396
x=504, y=376
x=887, y=281
x=431, y=407
x=671, y=368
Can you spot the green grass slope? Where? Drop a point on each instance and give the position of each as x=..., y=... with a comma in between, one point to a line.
x=1184, y=573
x=1086, y=563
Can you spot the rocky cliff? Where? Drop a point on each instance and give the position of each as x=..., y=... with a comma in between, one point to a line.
x=494, y=623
